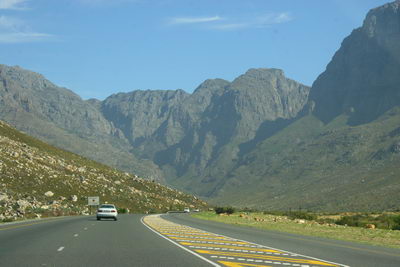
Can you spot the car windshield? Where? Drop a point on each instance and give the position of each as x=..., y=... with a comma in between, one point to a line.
x=107, y=207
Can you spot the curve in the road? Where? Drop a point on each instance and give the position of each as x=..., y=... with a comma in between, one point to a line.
x=220, y=250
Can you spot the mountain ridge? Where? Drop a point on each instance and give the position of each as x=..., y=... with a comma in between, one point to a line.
x=261, y=136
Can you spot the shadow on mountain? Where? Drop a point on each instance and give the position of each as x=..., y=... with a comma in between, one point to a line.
x=266, y=130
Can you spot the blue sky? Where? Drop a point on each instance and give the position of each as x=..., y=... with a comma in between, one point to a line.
x=100, y=47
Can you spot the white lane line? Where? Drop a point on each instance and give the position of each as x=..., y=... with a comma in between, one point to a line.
x=60, y=249
x=182, y=247
x=76, y=235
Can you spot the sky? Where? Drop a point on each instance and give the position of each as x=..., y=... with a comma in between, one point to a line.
x=100, y=47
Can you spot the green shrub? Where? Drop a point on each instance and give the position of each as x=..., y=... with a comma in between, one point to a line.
x=358, y=220
x=8, y=220
x=122, y=210
x=384, y=221
x=301, y=215
x=219, y=210
x=228, y=210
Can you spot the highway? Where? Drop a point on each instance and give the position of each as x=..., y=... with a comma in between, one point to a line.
x=173, y=240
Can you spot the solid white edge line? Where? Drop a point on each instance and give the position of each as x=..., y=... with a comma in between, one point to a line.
x=182, y=247
x=342, y=265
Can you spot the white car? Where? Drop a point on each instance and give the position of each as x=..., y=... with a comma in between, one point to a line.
x=108, y=211
x=186, y=210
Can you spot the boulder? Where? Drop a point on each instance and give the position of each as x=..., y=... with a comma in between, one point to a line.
x=23, y=204
x=3, y=197
x=370, y=226
x=49, y=194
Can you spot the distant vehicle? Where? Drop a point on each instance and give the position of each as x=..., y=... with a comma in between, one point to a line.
x=186, y=210
x=107, y=211
x=196, y=210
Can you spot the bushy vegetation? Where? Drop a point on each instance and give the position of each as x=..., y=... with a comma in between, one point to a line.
x=381, y=221
x=227, y=210
x=384, y=221
x=304, y=215
x=122, y=210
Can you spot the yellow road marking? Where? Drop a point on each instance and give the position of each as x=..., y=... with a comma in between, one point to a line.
x=188, y=233
x=263, y=257
x=240, y=264
x=30, y=224
x=345, y=246
x=209, y=240
x=233, y=247
x=200, y=237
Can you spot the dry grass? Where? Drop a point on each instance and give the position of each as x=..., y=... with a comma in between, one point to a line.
x=377, y=237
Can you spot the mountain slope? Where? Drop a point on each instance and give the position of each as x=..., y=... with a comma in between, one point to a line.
x=364, y=75
x=342, y=153
x=34, y=105
x=38, y=179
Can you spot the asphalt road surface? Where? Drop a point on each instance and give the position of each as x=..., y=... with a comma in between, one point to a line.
x=173, y=240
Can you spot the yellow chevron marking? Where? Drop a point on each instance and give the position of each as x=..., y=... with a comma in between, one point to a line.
x=232, y=247
x=209, y=240
x=240, y=264
x=200, y=237
x=263, y=257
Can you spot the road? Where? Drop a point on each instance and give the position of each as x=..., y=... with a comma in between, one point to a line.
x=173, y=240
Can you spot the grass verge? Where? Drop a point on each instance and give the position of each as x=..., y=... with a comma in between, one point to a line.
x=376, y=237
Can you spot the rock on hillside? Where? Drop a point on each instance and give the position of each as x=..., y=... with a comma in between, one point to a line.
x=142, y=115
x=40, y=180
x=363, y=78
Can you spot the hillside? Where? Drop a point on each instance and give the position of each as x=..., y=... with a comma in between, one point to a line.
x=39, y=180
x=332, y=167
x=32, y=104
x=342, y=152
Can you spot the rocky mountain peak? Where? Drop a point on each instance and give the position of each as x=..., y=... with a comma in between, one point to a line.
x=383, y=24
x=264, y=72
x=10, y=75
x=362, y=78
x=211, y=85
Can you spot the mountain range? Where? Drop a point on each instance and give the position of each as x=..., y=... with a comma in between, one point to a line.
x=262, y=140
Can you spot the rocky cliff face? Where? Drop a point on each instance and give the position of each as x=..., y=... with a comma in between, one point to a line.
x=25, y=91
x=186, y=134
x=363, y=78
x=35, y=105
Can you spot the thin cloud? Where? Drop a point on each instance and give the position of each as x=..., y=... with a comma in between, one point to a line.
x=194, y=20
x=12, y=4
x=23, y=37
x=13, y=30
x=271, y=19
x=258, y=22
